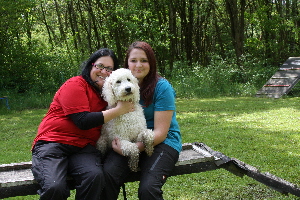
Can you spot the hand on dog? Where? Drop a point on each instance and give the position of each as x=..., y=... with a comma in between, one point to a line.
x=116, y=145
x=125, y=107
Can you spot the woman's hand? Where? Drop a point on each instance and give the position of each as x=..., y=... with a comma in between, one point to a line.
x=121, y=108
x=116, y=145
x=125, y=107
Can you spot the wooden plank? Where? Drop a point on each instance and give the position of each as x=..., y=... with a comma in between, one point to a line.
x=15, y=166
x=267, y=178
x=291, y=62
x=273, y=85
x=285, y=69
x=22, y=190
x=16, y=179
x=283, y=80
x=273, y=90
x=274, y=77
x=289, y=74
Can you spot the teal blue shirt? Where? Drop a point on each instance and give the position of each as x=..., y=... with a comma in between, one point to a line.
x=164, y=99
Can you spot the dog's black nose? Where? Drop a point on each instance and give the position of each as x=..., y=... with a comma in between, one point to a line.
x=128, y=89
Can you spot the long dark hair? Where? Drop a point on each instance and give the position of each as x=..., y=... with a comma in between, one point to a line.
x=87, y=65
x=149, y=82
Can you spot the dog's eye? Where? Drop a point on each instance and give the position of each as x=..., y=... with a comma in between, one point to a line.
x=128, y=79
x=118, y=81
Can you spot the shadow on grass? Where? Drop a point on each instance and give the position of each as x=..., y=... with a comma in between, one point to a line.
x=258, y=131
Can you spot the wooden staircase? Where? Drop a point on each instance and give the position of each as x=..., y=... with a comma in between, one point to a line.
x=283, y=80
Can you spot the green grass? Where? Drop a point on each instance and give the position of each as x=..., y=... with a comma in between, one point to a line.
x=261, y=132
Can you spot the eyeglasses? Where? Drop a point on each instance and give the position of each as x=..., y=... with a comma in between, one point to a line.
x=101, y=66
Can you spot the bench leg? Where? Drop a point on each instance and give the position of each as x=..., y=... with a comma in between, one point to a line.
x=7, y=105
x=6, y=102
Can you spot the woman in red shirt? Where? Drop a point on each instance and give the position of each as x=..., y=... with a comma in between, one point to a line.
x=66, y=138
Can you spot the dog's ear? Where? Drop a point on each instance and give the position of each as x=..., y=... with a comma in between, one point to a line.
x=107, y=92
x=136, y=84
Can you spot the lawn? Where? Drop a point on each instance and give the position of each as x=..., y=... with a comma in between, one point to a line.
x=261, y=132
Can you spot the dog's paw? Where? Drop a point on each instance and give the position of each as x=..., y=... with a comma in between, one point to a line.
x=131, y=150
x=133, y=163
x=147, y=137
x=149, y=149
x=102, y=150
x=101, y=145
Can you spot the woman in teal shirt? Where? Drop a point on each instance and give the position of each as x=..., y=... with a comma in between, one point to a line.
x=164, y=98
x=158, y=101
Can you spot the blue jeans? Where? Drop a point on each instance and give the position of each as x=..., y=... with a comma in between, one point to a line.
x=154, y=172
x=52, y=162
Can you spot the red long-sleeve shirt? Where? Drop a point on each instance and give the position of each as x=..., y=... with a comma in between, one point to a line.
x=74, y=96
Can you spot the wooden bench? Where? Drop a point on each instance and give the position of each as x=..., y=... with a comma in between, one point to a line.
x=16, y=178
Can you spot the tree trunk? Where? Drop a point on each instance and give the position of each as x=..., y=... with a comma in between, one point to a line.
x=236, y=17
x=189, y=45
x=46, y=24
x=172, y=34
x=94, y=24
x=84, y=23
x=61, y=27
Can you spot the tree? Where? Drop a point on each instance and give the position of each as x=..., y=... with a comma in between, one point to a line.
x=42, y=36
x=236, y=13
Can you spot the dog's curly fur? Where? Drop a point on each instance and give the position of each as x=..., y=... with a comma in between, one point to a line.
x=130, y=127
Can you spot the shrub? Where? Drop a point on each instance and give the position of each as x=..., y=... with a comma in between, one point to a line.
x=220, y=78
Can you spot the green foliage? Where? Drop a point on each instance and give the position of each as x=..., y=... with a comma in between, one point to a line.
x=27, y=100
x=34, y=70
x=221, y=78
x=44, y=42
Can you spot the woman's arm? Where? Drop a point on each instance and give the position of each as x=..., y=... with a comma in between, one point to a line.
x=88, y=120
x=162, y=121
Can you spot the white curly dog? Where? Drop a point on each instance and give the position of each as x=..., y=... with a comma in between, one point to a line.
x=130, y=127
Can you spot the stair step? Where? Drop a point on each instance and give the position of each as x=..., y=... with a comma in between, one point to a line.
x=284, y=77
x=285, y=69
x=271, y=85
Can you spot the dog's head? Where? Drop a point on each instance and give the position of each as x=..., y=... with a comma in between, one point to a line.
x=121, y=85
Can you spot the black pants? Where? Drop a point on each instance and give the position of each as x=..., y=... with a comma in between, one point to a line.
x=52, y=162
x=154, y=172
